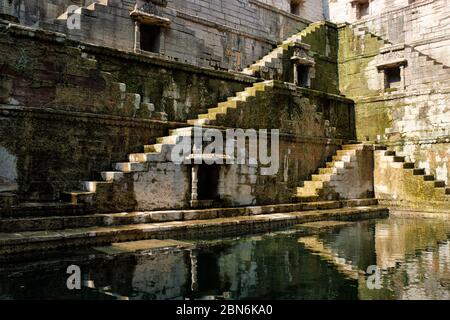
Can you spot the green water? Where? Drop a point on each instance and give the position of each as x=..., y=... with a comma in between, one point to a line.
x=412, y=257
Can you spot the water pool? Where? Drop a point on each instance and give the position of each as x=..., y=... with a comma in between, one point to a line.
x=407, y=258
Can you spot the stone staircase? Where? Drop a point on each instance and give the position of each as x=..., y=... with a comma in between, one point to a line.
x=330, y=182
x=233, y=104
x=89, y=9
x=421, y=61
x=117, y=100
x=269, y=64
x=400, y=181
x=114, y=192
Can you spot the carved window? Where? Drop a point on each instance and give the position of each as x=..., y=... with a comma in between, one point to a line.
x=303, y=75
x=392, y=77
x=150, y=38
x=362, y=9
x=296, y=6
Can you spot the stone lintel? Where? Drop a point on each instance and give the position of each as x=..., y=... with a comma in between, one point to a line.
x=303, y=61
x=149, y=19
x=392, y=64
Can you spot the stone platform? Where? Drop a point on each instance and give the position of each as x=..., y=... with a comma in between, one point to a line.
x=254, y=222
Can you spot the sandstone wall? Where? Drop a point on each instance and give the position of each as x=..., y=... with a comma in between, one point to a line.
x=219, y=34
x=64, y=120
x=413, y=118
x=345, y=10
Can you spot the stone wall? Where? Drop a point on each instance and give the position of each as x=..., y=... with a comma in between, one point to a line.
x=346, y=10
x=398, y=185
x=219, y=34
x=422, y=25
x=412, y=118
x=312, y=127
x=42, y=69
x=64, y=120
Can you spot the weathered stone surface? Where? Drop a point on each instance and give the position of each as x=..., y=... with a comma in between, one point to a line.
x=11, y=243
x=141, y=246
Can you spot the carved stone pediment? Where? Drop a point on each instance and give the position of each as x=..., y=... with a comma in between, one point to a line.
x=148, y=12
x=392, y=56
x=302, y=55
x=150, y=6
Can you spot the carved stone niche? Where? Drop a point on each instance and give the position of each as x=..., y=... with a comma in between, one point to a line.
x=391, y=67
x=148, y=12
x=303, y=62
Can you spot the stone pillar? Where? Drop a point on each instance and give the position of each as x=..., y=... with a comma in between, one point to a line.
x=402, y=77
x=194, y=183
x=137, y=37
x=295, y=74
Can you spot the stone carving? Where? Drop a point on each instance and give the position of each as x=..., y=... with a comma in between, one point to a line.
x=150, y=6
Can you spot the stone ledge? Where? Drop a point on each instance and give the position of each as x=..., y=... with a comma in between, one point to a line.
x=18, y=224
x=16, y=243
x=73, y=116
x=61, y=39
x=442, y=207
x=381, y=97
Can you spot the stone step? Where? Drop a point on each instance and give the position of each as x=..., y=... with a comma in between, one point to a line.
x=78, y=197
x=418, y=172
x=113, y=175
x=183, y=132
x=328, y=170
x=390, y=153
x=65, y=221
x=198, y=122
x=98, y=186
x=158, y=148
x=409, y=165
x=146, y=157
x=353, y=147
x=131, y=166
x=305, y=198
x=34, y=241
x=346, y=152
x=168, y=139
x=428, y=177
x=398, y=159
x=322, y=177
x=343, y=158
x=439, y=184
x=301, y=191
x=316, y=184
x=336, y=164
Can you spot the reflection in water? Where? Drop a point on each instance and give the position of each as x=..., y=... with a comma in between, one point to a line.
x=412, y=254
